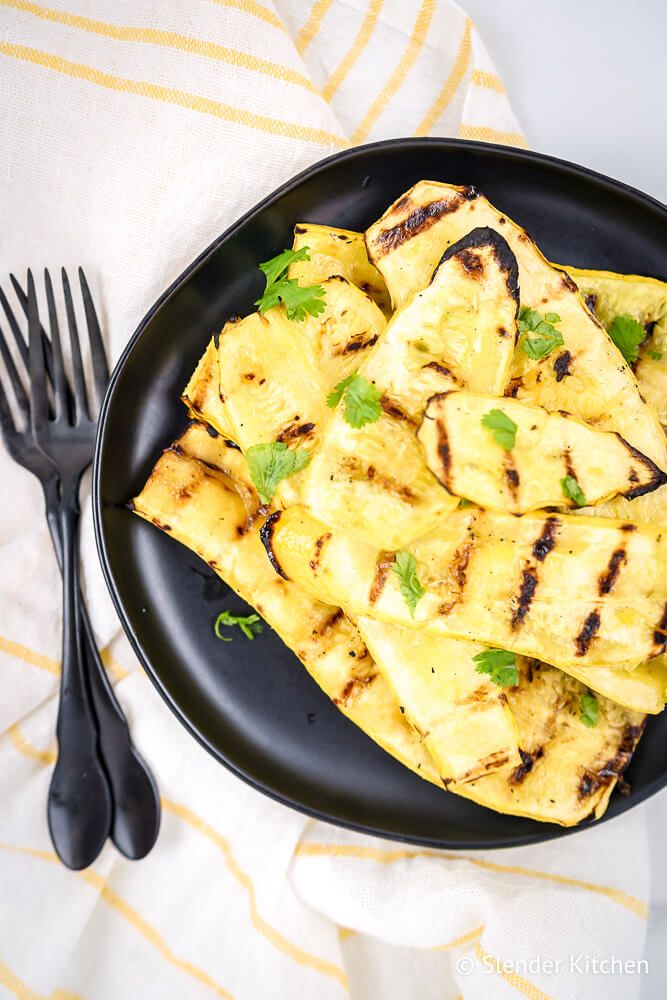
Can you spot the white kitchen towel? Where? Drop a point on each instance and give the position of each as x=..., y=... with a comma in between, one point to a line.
x=131, y=134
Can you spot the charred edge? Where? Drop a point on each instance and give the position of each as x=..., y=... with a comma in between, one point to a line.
x=513, y=388
x=300, y=230
x=231, y=444
x=211, y=431
x=588, y=632
x=526, y=765
x=592, y=781
x=331, y=621
x=251, y=520
x=293, y=431
x=392, y=409
x=607, y=579
x=234, y=318
x=131, y=505
x=444, y=453
x=657, y=476
x=512, y=476
x=562, y=366
x=421, y=219
x=352, y=686
x=628, y=527
x=382, y=567
x=216, y=339
x=319, y=544
x=442, y=370
x=161, y=524
x=591, y=301
x=660, y=631
x=483, y=236
x=526, y=593
x=567, y=281
x=266, y=535
x=547, y=539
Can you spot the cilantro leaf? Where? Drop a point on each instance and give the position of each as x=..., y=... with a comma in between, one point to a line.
x=250, y=625
x=502, y=427
x=362, y=400
x=547, y=338
x=500, y=665
x=298, y=300
x=405, y=568
x=655, y=355
x=277, y=267
x=627, y=334
x=589, y=708
x=573, y=491
x=270, y=463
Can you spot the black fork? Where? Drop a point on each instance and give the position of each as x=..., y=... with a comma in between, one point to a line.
x=57, y=446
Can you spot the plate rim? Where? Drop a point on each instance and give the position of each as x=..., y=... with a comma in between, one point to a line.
x=543, y=831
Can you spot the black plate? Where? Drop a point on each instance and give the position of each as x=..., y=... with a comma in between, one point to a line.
x=252, y=705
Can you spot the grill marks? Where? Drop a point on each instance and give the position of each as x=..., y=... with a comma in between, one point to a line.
x=530, y=576
x=660, y=631
x=444, y=454
x=547, y=539
x=317, y=555
x=418, y=221
x=472, y=264
x=512, y=476
x=593, y=780
x=588, y=632
x=382, y=568
x=295, y=430
x=607, y=579
x=562, y=365
x=526, y=765
x=529, y=583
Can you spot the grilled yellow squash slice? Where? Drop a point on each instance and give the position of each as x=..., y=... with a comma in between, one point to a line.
x=201, y=494
x=274, y=374
x=549, y=451
x=459, y=331
x=460, y=714
x=586, y=594
x=609, y=295
x=337, y=251
x=586, y=376
x=567, y=771
x=202, y=393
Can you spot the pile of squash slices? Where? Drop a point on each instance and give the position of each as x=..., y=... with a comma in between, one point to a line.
x=476, y=574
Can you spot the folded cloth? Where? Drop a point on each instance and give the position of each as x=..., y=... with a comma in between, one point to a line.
x=131, y=135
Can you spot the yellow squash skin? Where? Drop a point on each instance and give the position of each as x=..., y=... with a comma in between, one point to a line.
x=464, y=455
x=337, y=251
x=567, y=771
x=192, y=497
x=599, y=388
x=458, y=331
x=586, y=594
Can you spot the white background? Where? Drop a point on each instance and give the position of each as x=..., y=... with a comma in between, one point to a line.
x=588, y=82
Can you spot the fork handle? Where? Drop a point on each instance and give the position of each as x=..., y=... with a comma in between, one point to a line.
x=79, y=801
x=136, y=800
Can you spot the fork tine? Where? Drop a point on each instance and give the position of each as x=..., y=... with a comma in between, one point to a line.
x=77, y=364
x=38, y=395
x=14, y=378
x=98, y=354
x=60, y=387
x=13, y=325
x=20, y=340
x=7, y=425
